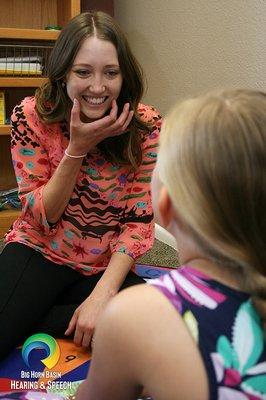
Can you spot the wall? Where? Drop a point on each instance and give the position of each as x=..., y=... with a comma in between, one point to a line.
x=189, y=46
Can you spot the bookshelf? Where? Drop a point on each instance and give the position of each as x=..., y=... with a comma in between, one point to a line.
x=24, y=21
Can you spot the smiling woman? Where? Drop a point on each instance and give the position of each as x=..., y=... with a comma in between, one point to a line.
x=84, y=149
x=92, y=34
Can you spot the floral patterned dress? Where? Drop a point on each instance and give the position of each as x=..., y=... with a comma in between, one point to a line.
x=110, y=209
x=227, y=329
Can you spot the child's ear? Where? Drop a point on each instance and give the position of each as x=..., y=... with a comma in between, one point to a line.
x=165, y=207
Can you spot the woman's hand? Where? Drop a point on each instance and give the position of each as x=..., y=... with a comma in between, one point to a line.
x=85, y=317
x=84, y=136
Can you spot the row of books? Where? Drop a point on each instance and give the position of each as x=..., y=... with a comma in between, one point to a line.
x=21, y=65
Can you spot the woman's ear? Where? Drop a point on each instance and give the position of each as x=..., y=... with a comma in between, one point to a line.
x=165, y=208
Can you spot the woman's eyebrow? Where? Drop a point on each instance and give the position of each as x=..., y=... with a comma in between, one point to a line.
x=89, y=65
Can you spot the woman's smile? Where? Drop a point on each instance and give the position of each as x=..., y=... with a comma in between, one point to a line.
x=94, y=101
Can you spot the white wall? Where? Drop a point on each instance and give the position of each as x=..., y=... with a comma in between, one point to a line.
x=189, y=46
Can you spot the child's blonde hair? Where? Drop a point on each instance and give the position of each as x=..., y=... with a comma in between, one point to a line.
x=212, y=161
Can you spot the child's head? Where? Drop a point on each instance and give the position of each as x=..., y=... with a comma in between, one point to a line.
x=212, y=161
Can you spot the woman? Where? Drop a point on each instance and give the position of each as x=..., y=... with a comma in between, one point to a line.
x=83, y=151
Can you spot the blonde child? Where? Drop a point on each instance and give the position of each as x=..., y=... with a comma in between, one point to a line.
x=195, y=333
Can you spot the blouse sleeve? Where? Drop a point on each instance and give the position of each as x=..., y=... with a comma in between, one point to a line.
x=32, y=168
x=136, y=234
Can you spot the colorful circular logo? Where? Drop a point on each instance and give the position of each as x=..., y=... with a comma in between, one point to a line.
x=42, y=341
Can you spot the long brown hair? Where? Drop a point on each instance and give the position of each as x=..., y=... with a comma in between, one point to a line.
x=213, y=162
x=53, y=103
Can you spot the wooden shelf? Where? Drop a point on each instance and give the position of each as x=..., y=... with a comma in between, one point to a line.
x=5, y=130
x=17, y=81
x=28, y=34
x=7, y=217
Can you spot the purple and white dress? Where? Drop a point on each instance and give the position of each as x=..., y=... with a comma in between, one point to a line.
x=227, y=329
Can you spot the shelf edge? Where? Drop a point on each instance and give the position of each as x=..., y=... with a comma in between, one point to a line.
x=28, y=34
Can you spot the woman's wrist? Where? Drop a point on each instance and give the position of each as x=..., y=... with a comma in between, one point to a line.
x=68, y=154
x=105, y=288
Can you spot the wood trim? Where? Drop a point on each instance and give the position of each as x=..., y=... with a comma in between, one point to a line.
x=28, y=34
x=21, y=82
x=5, y=130
x=75, y=8
x=66, y=10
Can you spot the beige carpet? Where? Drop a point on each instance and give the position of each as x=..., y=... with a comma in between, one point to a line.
x=160, y=254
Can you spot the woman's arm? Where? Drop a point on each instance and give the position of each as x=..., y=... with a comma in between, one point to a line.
x=83, y=137
x=135, y=237
x=59, y=188
x=44, y=196
x=31, y=164
x=86, y=315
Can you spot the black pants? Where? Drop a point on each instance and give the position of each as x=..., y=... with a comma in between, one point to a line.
x=37, y=295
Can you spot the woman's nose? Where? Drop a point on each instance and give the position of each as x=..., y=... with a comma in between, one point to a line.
x=97, y=86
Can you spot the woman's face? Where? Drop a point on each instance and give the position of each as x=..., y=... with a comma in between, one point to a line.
x=95, y=78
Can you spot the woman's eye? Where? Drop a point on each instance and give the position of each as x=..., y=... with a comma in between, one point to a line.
x=82, y=72
x=112, y=73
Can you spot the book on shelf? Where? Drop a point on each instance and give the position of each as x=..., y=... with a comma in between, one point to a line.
x=2, y=108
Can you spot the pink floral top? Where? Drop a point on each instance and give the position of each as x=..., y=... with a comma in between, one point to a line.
x=110, y=209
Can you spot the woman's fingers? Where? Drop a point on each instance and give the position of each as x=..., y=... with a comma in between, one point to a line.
x=123, y=117
x=114, y=109
x=92, y=342
x=75, y=114
x=128, y=120
x=92, y=133
x=122, y=122
x=105, y=122
x=109, y=125
x=78, y=337
x=72, y=324
x=75, y=121
x=100, y=124
x=87, y=339
x=83, y=336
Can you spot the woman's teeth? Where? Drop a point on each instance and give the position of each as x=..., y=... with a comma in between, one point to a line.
x=94, y=100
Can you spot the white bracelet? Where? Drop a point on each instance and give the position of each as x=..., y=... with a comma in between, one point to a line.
x=70, y=156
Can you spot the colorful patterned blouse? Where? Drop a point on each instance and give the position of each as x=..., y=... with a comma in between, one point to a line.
x=227, y=329
x=110, y=209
